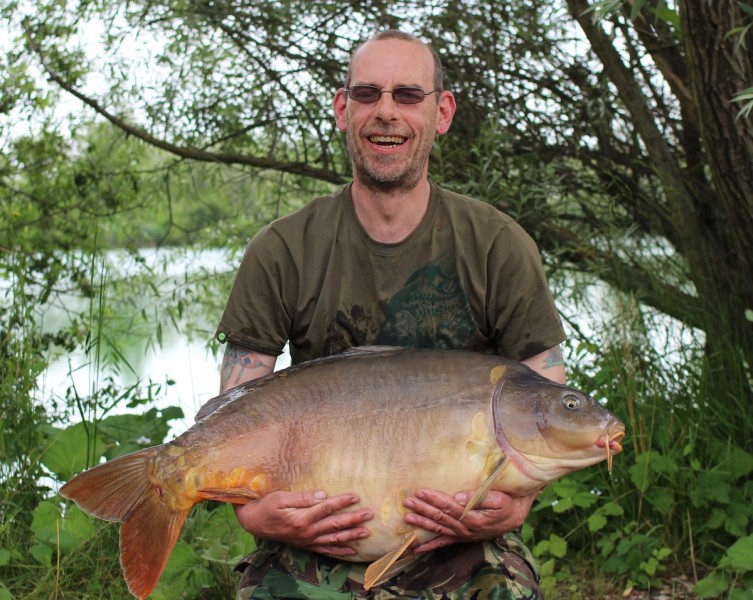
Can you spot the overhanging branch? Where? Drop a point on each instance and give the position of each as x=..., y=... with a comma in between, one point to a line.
x=186, y=152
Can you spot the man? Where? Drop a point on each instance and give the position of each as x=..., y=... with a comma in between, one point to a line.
x=390, y=259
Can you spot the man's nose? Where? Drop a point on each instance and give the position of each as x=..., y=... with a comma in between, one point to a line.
x=386, y=106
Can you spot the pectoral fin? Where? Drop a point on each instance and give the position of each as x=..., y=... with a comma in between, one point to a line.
x=379, y=571
x=483, y=490
x=231, y=495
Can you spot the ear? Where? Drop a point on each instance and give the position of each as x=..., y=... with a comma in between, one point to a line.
x=445, y=112
x=341, y=116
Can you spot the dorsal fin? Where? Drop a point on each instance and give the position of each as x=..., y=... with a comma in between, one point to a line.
x=217, y=402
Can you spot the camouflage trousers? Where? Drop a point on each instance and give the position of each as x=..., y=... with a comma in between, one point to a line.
x=501, y=569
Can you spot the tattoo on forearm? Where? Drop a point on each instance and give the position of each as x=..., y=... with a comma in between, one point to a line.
x=553, y=359
x=236, y=357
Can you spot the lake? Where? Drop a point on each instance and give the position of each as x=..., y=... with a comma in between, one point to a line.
x=185, y=353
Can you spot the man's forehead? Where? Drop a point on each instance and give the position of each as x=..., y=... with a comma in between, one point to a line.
x=392, y=56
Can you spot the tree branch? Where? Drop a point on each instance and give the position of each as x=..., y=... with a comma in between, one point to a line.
x=186, y=152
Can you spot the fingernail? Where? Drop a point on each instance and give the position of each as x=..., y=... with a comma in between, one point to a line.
x=319, y=495
x=461, y=498
x=409, y=503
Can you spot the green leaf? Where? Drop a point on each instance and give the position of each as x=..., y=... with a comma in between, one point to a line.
x=636, y=9
x=541, y=548
x=737, y=518
x=745, y=7
x=546, y=568
x=739, y=463
x=585, y=499
x=668, y=15
x=557, y=546
x=563, y=505
x=42, y=553
x=71, y=450
x=134, y=432
x=712, y=586
x=613, y=509
x=596, y=521
x=661, y=498
x=66, y=533
x=4, y=557
x=739, y=555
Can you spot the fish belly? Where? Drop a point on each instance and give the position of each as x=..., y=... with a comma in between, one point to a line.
x=385, y=460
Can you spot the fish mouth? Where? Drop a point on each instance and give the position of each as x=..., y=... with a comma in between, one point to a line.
x=611, y=443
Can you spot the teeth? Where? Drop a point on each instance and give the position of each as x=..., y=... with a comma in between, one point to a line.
x=387, y=139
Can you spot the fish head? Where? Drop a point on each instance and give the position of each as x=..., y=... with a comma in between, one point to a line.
x=547, y=430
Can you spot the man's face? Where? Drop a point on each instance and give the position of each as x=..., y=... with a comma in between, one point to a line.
x=390, y=142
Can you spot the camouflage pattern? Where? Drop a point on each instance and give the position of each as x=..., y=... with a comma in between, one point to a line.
x=501, y=569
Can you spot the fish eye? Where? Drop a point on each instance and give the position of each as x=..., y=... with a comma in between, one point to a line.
x=571, y=402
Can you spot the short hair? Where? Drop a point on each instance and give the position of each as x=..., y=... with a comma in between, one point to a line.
x=393, y=34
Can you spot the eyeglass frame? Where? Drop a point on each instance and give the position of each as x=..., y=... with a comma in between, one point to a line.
x=392, y=91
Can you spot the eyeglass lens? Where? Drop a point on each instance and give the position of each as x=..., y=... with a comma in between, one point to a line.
x=403, y=95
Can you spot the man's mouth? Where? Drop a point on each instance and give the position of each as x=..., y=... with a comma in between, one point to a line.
x=387, y=141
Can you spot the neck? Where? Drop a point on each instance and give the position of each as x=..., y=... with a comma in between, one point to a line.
x=390, y=217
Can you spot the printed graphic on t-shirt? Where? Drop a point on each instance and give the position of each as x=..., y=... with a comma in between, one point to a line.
x=430, y=310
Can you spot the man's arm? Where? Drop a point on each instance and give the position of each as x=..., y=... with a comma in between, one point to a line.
x=549, y=363
x=304, y=519
x=240, y=365
x=498, y=513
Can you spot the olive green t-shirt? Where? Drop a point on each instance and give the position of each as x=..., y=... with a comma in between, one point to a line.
x=468, y=277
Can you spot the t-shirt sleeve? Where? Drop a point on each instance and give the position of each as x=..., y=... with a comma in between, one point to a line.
x=257, y=316
x=521, y=310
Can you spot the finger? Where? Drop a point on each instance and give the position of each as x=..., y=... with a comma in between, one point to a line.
x=342, y=537
x=334, y=504
x=333, y=550
x=441, y=521
x=437, y=542
x=435, y=505
x=434, y=526
x=493, y=500
x=342, y=528
x=298, y=499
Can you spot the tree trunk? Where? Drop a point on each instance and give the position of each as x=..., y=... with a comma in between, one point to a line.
x=718, y=69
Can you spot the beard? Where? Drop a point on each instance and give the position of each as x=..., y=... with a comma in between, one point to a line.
x=385, y=174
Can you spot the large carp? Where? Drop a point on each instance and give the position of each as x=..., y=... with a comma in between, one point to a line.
x=379, y=422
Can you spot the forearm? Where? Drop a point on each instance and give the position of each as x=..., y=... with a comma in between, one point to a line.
x=549, y=364
x=240, y=365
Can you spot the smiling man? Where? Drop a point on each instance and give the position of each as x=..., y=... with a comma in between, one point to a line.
x=394, y=259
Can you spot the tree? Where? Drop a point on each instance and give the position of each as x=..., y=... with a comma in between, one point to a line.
x=609, y=128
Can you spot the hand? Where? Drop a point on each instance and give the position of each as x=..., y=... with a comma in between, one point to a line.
x=307, y=520
x=439, y=513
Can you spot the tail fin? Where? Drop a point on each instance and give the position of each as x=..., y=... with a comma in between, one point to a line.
x=121, y=490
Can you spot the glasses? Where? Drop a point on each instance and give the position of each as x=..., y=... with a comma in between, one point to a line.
x=368, y=94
